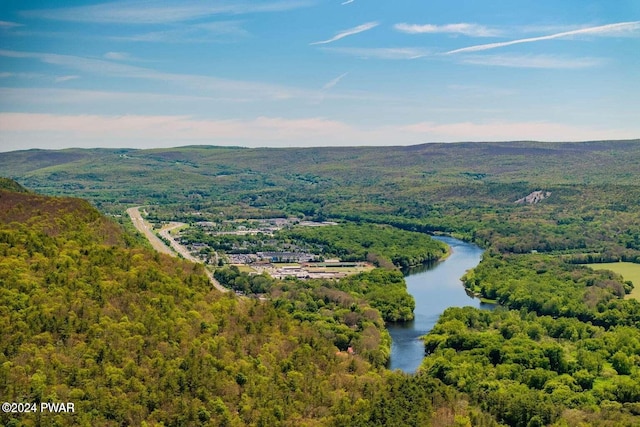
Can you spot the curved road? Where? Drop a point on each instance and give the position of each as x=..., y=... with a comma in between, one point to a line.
x=145, y=228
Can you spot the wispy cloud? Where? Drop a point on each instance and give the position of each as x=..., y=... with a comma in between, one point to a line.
x=223, y=27
x=381, y=53
x=202, y=84
x=334, y=82
x=63, y=79
x=6, y=25
x=88, y=101
x=6, y=75
x=533, y=61
x=621, y=28
x=146, y=12
x=117, y=56
x=191, y=33
x=349, y=32
x=36, y=76
x=473, y=30
x=347, y=2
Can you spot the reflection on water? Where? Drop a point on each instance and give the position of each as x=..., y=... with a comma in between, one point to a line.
x=435, y=287
x=420, y=269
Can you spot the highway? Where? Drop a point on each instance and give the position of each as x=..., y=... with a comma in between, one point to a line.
x=145, y=228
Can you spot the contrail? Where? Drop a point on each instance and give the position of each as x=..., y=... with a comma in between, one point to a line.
x=600, y=30
x=334, y=82
x=349, y=32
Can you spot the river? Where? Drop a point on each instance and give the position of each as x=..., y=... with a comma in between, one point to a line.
x=434, y=288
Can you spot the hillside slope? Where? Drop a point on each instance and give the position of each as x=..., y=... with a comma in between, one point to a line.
x=113, y=179
x=130, y=337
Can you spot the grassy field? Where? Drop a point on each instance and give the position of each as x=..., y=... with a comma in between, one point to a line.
x=246, y=269
x=628, y=270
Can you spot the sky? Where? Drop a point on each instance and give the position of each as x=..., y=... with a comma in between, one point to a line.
x=296, y=73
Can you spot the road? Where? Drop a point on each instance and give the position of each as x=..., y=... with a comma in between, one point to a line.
x=145, y=228
x=165, y=232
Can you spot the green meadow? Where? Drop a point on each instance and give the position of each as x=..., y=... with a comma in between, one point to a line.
x=628, y=270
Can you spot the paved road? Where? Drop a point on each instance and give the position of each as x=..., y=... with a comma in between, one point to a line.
x=145, y=228
x=165, y=232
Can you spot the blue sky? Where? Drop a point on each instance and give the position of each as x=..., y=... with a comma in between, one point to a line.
x=287, y=73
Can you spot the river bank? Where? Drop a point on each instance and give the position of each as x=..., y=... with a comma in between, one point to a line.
x=435, y=288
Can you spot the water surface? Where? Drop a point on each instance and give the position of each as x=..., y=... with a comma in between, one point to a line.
x=434, y=288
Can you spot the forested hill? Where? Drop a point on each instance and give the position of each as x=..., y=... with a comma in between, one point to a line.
x=468, y=189
x=367, y=176
x=500, y=161
x=11, y=185
x=133, y=337
x=56, y=216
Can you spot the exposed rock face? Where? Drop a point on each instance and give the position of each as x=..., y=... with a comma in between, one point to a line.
x=534, y=197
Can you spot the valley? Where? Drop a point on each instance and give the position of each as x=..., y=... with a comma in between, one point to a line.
x=562, y=348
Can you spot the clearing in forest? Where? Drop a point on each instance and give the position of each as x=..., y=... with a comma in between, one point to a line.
x=628, y=270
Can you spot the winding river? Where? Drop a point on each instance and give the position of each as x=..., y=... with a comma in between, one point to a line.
x=434, y=288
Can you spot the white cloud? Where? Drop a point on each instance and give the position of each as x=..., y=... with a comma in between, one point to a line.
x=146, y=12
x=349, y=32
x=621, y=28
x=381, y=53
x=347, y=2
x=533, y=61
x=472, y=30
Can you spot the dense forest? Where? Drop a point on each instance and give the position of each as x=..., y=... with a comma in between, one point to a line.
x=536, y=370
x=133, y=337
x=93, y=316
x=379, y=244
